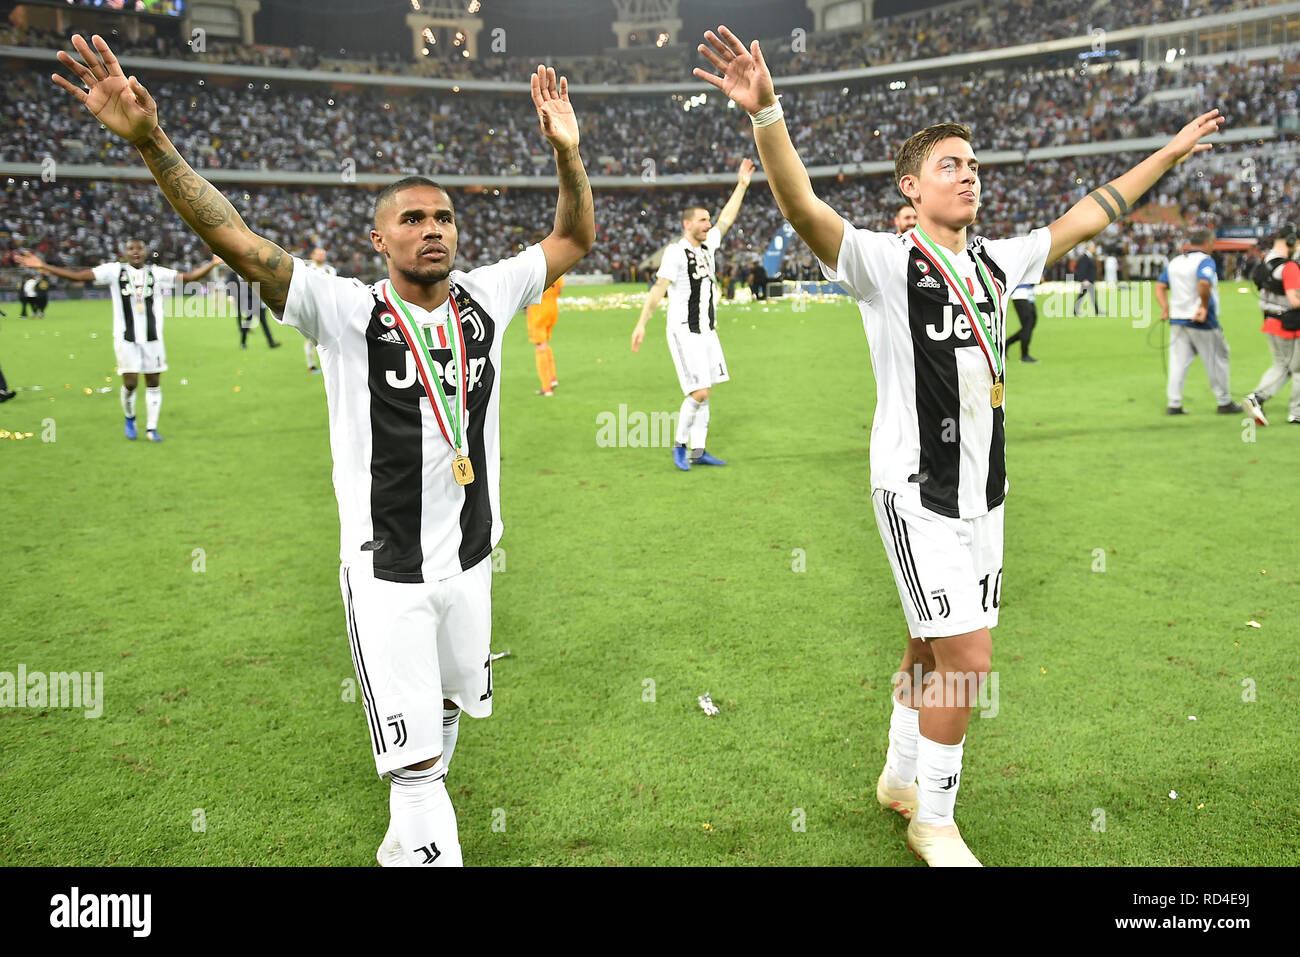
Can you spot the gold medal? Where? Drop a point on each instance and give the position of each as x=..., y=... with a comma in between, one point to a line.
x=995, y=395
x=461, y=470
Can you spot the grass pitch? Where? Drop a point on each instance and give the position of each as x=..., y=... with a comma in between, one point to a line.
x=200, y=576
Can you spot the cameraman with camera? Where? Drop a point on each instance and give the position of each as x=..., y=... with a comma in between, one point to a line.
x=1278, y=279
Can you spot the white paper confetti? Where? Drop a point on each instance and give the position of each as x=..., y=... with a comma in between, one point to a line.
x=1173, y=795
x=1191, y=717
x=1254, y=624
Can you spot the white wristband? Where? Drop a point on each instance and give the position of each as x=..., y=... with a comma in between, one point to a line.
x=768, y=115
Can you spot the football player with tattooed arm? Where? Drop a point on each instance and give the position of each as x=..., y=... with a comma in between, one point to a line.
x=411, y=368
x=933, y=305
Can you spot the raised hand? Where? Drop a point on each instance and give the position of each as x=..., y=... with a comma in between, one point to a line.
x=117, y=101
x=1188, y=141
x=29, y=260
x=554, y=111
x=745, y=77
x=746, y=172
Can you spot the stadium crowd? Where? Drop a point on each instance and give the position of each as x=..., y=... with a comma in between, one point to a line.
x=938, y=31
x=309, y=128
x=77, y=222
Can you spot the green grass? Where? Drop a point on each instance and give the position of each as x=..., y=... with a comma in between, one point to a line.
x=224, y=686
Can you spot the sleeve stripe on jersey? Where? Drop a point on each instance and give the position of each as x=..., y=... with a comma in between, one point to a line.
x=906, y=564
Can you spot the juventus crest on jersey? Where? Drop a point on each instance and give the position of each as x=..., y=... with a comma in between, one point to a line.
x=693, y=293
x=936, y=437
x=400, y=509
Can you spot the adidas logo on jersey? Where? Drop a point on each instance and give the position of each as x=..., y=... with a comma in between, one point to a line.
x=928, y=282
x=392, y=335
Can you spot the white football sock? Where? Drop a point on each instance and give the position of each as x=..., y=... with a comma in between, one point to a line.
x=900, y=761
x=684, y=419
x=938, y=775
x=390, y=851
x=700, y=427
x=423, y=817
x=450, y=731
x=152, y=405
x=128, y=402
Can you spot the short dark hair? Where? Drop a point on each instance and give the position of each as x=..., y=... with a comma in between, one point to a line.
x=913, y=154
x=1286, y=233
x=1200, y=237
x=686, y=211
x=406, y=182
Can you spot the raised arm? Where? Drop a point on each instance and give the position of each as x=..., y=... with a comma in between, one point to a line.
x=32, y=261
x=1104, y=205
x=729, y=211
x=651, y=304
x=127, y=109
x=746, y=79
x=198, y=272
x=575, y=219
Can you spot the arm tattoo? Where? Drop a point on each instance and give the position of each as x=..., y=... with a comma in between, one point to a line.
x=194, y=198
x=575, y=194
x=217, y=222
x=1113, y=212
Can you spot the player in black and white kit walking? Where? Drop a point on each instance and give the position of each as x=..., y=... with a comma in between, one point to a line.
x=139, y=290
x=687, y=274
x=412, y=377
x=934, y=308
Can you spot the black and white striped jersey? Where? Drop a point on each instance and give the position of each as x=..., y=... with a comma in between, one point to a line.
x=400, y=510
x=936, y=437
x=693, y=295
x=138, y=295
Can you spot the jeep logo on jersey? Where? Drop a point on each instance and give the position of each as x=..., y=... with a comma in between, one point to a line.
x=397, y=365
x=449, y=385
x=128, y=289
x=955, y=325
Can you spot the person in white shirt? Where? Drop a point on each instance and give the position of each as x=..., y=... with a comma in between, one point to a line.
x=933, y=305
x=139, y=288
x=29, y=298
x=1188, y=294
x=688, y=275
x=411, y=368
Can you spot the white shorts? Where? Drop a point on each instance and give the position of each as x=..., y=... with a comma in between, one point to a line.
x=697, y=356
x=948, y=570
x=412, y=646
x=140, y=356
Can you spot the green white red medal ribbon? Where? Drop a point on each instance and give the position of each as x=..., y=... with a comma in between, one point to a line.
x=938, y=258
x=452, y=426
